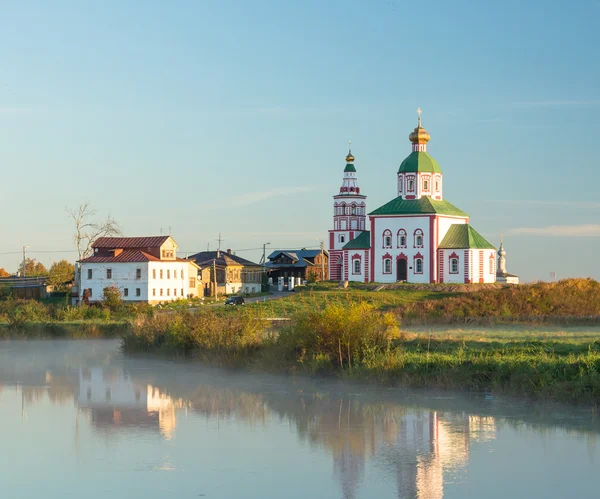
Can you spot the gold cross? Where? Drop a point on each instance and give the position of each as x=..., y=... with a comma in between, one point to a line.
x=419, y=113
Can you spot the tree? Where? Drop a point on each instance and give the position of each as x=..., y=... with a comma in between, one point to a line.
x=33, y=268
x=4, y=274
x=112, y=297
x=61, y=274
x=88, y=230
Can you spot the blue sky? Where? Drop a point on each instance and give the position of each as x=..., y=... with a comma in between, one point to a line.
x=234, y=117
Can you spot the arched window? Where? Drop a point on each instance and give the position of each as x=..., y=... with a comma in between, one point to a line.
x=418, y=238
x=353, y=209
x=437, y=185
x=454, y=265
x=356, y=266
x=342, y=238
x=492, y=265
x=411, y=185
x=400, y=182
x=401, y=238
x=425, y=185
x=387, y=238
x=387, y=266
x=418, y=265
x=343, y=209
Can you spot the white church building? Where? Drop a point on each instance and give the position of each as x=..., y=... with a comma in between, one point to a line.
x=416, y=237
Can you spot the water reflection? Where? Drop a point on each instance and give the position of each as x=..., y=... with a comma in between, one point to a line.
x=422, y=444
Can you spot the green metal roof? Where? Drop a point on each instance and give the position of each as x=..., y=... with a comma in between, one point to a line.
x=463, y=236
x=419, y=162
x=425, y=204
x=363, y=241
x=350, y=168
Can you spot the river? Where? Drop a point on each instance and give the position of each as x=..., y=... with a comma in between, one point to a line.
x=78, y=419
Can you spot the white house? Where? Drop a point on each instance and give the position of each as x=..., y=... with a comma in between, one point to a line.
x=144, y=269
x=417, y=237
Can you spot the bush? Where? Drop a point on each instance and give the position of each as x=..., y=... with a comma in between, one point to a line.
x=112, y=298
x=344, y=334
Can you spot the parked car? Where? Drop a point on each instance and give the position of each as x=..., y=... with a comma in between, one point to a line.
x=235, y=300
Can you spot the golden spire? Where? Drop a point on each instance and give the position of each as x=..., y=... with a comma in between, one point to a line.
x=419, y=135
x=349, y=158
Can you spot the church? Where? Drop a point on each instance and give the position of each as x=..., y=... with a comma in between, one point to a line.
x=416, y=237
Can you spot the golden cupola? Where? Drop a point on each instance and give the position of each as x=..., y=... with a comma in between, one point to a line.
x=419, y=136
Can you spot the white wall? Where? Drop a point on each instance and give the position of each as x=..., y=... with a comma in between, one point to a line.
x=409, y=224
x=349, y=257
x=124, y=277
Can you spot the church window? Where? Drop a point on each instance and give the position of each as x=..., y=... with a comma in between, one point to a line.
x=401, y=238
x=454, y=265
x=418, y=266
x=425, y=185
x=356, y=266
x=400, y=184
x=387, y=239
x=492, y=265
x=343, y=225
x=342, y=238
x=387, y=266
x=411, y=185
x=418, y=238
x=354, y=209
x=437, y=185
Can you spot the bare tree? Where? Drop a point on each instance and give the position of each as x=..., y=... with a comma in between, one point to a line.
x=87, y=230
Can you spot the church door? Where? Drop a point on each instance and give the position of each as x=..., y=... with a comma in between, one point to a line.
x=402, y=270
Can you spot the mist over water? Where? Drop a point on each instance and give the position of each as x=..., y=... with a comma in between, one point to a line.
x=78, y=419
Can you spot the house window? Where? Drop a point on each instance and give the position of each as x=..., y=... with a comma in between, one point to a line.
x=387, y=239
x=174, y=274
x=153, y=273
x=387, y=266
x=109, y=273
x=138, y=273
x=168, y=274
x=342, y=238
x=126, y=292
x=401, y=238
x=418, y=238
x=138, y=292
x=161, y=273
x=153, y=291
x=168, y=254
x=192, y=282
x=161, y=292
x=418, y=266
x=175, y=292
x=168, y=291
x=454, y=265
x=181, y=291
x=356, y=266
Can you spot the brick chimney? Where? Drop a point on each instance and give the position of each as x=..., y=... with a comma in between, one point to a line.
x=229, y=251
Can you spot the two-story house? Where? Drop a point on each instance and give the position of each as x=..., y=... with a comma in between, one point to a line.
x=234, y=274
x=144, y=269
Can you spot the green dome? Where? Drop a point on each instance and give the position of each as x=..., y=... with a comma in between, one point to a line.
x=419, y=162
x=350, y=168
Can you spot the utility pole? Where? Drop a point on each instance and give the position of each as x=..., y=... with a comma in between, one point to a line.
x=24, y=273
x=215, y=276
x=322, y=261
x=264, y=263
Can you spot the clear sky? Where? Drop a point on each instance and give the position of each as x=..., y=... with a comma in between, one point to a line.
x=234, y=117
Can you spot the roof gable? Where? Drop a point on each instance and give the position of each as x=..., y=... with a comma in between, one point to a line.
x=424, y=205
x=463, y=236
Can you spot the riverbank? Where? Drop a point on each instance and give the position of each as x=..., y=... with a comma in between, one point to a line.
x=359, y=342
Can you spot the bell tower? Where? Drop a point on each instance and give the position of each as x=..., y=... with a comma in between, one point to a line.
x=349, y=217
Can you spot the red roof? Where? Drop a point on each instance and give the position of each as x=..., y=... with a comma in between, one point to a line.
x=130, y=242
x=123, y=257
